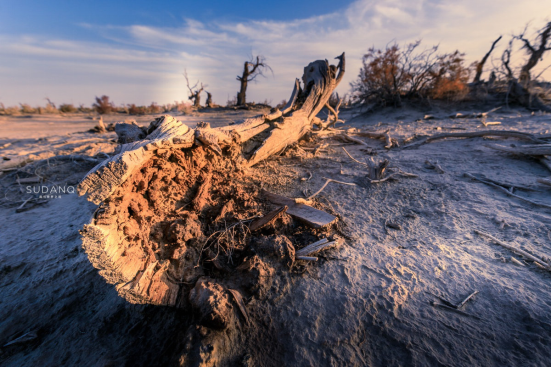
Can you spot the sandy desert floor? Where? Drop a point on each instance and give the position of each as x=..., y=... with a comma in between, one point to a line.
x=367, y=302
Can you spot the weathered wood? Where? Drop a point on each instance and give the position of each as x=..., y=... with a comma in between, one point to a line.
x=240, y=303
x=309, y=215
x=529, y=149
x=306, y=258
x=316, y=247
x=546, y=161
x=143, y=274
x=544, y=205
x=103, y=179
x=267, y=219
x=482, y=133
x=516, y=250
x=129, y=132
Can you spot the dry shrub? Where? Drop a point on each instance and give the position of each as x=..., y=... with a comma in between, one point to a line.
x=231, y=102
x=67, y=108
x=103, y=105
x=48, y=109
x=10, y=110
x=449, y=78
x=391, y=75
x=28, y=109
x=136, y=110
x=281, y=105
x=154, y=108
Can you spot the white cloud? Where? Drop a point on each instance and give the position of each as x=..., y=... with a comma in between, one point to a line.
x=141, y=63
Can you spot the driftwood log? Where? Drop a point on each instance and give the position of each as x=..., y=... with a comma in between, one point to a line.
x=122, y=238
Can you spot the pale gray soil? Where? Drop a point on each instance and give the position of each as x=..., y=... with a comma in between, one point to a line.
x=366, y=303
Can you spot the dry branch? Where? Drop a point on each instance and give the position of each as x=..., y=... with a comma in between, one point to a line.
x=144, y=278
x=516, y=250
x=528, y=150
x=484, y=133
x=435, y=166
x=309, y=215
x=327, y=181
x=316, y=247
x=509, y=193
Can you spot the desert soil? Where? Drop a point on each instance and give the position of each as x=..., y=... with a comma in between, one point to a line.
x=367, y=302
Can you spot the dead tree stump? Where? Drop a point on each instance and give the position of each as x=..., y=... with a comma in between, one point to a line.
x=158, y=195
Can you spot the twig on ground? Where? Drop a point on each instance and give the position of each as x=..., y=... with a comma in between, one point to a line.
x=484, y=133
x=308, y=178
x=466, y=299
x=305, y=258
x=327, y=181
x=353, y=159
x=509, y=193
x=444, y=306
x=435, y=166
x=316, y=247
x=516, y=250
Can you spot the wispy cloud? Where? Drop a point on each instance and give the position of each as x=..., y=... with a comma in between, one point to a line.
x=140, y=63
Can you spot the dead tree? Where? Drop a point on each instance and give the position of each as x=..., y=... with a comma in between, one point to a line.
x=251, y=69
x=535, y=52
x=209, y=102
x=122, y=238
x=480, y=65
x=195, y=93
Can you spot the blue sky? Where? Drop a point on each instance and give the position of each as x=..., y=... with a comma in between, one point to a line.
x=136, y=51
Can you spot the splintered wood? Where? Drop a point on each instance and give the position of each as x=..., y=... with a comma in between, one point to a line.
x=316, y=247
x=307, y=214
x=155, y=192
x=536, y=260
x=267, y=219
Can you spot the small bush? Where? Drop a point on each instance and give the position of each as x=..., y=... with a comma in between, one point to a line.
x=231, y=102
x=67, y=108
x=28, y=109
x=154, y=108
x=387, y=77
x=82, y=108
x=281, y=105
x=136, y=110
x=11, y=110
x=103, y=105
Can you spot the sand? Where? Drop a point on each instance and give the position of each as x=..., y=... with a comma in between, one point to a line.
x=366, y=302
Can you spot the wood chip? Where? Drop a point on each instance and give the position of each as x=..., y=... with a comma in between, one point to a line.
x=239, y=301
x=307, y=214
x=269, y=218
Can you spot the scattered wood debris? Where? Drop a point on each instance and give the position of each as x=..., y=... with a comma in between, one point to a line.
x=307, y=214
x=538, y=260
x=239, y=301
x=267, y=219
x=29, y=336
x=316, y=247
x=305, y=258
x=484, y=133
x=434, y=166
x=508, y=192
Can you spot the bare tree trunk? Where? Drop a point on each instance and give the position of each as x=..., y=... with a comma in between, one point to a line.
x=534, y=54
x=209, y=102
x=251, y=69
x=242, y=94
x=119, y=240
x=480, y=65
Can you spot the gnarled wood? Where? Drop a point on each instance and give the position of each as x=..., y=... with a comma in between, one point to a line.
x=102, y=180
x=145, y=254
